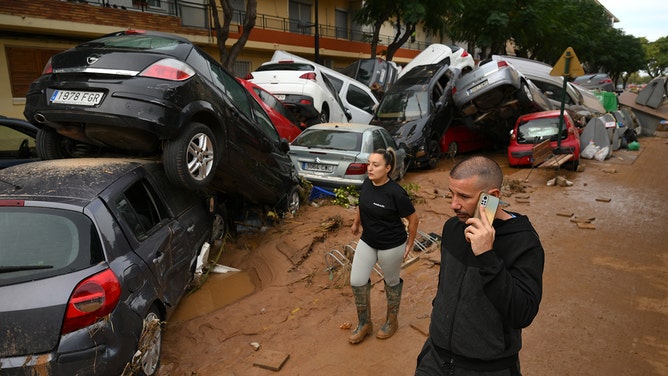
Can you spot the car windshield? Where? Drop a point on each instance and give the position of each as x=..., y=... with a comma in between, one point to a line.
x=136, y=42
x=40, y=243
x=404, y=105
x=286, y=67
x=538, y=130
x=329, y=139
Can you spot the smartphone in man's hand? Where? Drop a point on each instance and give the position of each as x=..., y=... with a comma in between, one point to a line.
x=490, y=203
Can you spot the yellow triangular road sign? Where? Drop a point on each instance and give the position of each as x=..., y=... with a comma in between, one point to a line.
x=568, y=65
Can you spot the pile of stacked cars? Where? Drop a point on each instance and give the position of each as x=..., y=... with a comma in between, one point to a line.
x=180, y=144
x=495, y=94
x=150, y=94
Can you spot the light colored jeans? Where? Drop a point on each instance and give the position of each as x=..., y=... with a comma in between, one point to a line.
x=365, y=258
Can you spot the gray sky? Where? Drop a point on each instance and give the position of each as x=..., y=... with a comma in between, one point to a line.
x=640, y=18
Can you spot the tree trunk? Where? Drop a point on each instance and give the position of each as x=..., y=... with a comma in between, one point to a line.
x=399, y=40
x=227, y=58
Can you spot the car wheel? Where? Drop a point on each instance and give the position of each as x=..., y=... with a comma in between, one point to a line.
x=191, y=158
x=525, y=95
x=404, y=169
x=219, y=229
x=150, y=343
x=324, y=114
x=453, y=148
x=293, y=201
x=434, y=154
x=49, y=144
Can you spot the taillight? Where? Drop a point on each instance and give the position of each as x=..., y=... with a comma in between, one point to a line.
x=502, y=63
x=306, y=102
x=465, y=53
x=356, y=169
x=48, y=69
x=92, y=299
x=308, y=76
x=169, y=69
x=605, y=81
x=249, y=77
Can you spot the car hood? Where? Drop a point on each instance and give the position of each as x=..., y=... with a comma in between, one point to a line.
x=31, y=313
x=409, y=133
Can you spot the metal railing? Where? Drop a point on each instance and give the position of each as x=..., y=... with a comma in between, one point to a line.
x=194, y=14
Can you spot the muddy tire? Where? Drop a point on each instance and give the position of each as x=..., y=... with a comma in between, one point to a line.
x=324, y=114
x=150, y=343
x=292, y=201
x=192, y=157
x=453, y=148
x=434, y=154
x=525, y=96
x=219, y=227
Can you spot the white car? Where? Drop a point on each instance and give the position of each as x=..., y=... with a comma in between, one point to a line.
x=355, y=96
x=456, y=56
x=303, y=88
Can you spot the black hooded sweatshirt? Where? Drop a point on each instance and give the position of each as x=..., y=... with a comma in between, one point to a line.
x=483, y=302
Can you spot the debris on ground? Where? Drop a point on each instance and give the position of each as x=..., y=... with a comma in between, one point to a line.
x=559, y=181
x=271, y=359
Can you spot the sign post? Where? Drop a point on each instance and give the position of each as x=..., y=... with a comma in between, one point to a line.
x=567, y=66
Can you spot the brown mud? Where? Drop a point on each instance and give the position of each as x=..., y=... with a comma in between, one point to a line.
x=604, y=309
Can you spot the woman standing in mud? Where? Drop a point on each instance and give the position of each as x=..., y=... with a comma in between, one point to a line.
x=382, y=205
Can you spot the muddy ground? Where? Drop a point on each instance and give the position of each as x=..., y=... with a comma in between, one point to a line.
x=604, y=309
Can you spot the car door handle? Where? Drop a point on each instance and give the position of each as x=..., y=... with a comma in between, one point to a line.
x=191, y=228
x=158, y=258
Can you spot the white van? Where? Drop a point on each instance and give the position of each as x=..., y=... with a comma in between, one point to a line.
x=356, y=97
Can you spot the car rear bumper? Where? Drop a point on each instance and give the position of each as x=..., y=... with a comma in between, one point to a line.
x=332, y=182
x=103, y=348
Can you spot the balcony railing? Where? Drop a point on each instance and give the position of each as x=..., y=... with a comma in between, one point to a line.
x=193, y=14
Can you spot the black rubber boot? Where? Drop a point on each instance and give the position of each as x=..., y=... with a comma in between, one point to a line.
x=391, y=325
x=363, y=304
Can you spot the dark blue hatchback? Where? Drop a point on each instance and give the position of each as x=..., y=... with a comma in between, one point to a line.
x=95, y=255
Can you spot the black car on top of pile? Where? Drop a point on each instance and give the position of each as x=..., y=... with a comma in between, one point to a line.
x=143, y=93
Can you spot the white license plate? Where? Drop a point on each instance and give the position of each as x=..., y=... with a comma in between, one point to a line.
x=280, y=97
x=318, y=167
x=478, y=87
x=81, y=98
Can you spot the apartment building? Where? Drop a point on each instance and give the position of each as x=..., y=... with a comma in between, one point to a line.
x=33, y=30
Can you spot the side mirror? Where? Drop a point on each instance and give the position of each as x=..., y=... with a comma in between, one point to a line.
x=284, y=145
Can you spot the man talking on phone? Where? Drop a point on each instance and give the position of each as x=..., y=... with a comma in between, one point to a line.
x=489, y=285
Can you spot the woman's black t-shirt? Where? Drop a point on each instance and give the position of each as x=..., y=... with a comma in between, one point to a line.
x=381, y=209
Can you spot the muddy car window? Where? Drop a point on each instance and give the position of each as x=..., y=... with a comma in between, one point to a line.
x=141, y=209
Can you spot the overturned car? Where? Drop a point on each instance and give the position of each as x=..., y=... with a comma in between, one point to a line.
x=495, y=94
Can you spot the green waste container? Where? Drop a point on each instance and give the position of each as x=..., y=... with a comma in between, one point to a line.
x=608, y=100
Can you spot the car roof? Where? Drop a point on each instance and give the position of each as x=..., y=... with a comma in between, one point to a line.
x=76, y=178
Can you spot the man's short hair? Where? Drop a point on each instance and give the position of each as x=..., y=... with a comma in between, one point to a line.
x=488, y=171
